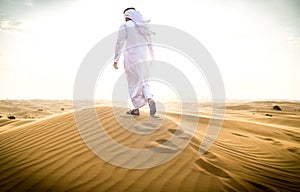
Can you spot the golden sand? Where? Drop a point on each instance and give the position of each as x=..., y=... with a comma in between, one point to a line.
x=253, y=152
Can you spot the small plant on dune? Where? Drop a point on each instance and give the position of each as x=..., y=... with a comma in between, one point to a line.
x=11, y=117
x=276, y=107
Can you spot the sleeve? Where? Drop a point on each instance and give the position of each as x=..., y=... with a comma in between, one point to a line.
x=120, y=42
x=150, y=48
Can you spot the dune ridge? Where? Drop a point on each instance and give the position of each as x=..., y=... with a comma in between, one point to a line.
x=250, y=154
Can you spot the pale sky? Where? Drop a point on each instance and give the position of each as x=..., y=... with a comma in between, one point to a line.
x=255, y=44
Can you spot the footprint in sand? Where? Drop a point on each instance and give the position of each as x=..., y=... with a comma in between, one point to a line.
x=179, y=133
x=162, y=145
x=148, y=127
x=211, y=168
x=176, y=131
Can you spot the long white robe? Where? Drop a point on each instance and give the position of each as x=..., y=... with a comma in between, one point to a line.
x=136, y=59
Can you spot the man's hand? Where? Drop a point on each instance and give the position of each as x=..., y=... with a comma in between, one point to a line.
x=116, y=65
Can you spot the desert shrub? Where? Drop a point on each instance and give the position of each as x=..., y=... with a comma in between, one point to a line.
x=11, y=117
x=276, y=107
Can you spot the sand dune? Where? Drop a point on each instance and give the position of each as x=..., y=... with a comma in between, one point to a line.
x=33, y=109
x=253, y=152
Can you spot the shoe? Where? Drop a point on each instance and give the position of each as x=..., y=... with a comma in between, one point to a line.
x=133, y=112
x=152, y=106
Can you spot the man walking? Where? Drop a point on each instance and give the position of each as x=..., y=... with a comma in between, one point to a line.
x=134, y=41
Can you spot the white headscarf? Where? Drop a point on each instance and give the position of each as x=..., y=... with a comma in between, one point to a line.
x=142, y=24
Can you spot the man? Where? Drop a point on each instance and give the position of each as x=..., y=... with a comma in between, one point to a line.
x=135, y=36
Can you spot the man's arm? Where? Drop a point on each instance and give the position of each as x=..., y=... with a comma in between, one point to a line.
x=120, y=44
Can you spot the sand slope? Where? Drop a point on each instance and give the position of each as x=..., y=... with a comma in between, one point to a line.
x=252, y=153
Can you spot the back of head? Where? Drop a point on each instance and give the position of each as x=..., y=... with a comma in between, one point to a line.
x=137, y=18
x=128, y=9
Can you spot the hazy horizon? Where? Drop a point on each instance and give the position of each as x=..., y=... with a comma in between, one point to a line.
x=255, y=44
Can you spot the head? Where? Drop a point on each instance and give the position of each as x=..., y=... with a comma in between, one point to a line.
x=129, y=8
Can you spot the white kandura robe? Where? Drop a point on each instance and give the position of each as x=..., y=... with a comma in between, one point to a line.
x=136, y=62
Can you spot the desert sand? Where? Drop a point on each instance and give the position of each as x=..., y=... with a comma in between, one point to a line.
x=258, y=149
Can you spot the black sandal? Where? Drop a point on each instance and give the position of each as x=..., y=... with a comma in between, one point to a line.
x=133, y=112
